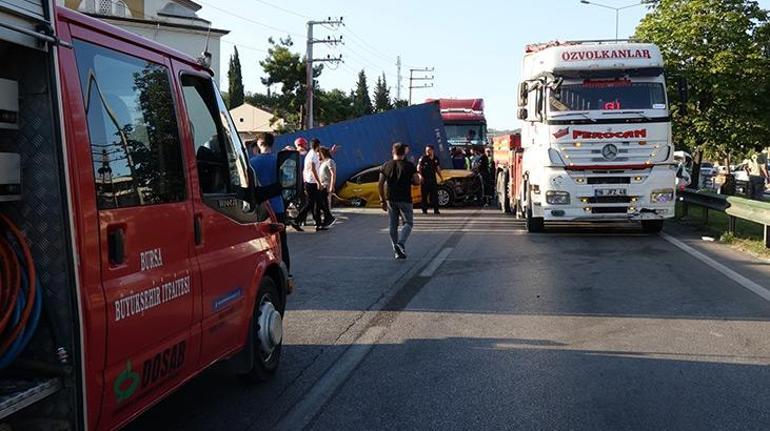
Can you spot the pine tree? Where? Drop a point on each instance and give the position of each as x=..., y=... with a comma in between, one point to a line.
x=382, y=101
x=235, y=88
x=362, y=103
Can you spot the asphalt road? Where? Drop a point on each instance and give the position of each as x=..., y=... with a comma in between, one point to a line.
x=487, y=327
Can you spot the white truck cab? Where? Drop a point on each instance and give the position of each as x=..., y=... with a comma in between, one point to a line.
x=596, y=134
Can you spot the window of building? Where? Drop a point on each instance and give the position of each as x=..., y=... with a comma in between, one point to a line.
x=132, y=126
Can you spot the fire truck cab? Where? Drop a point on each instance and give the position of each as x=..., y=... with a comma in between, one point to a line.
x=136, y=246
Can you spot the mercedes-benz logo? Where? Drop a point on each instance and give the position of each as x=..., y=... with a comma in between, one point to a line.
x=610, y=152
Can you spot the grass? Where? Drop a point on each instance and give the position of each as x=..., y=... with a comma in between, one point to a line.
x=748, y=236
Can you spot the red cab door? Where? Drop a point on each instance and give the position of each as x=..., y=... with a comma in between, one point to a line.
x=231, y=251
x=145, y=222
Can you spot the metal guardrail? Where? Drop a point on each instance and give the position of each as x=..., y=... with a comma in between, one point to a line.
x=734, y=206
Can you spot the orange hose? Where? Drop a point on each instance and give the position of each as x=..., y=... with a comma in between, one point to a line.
x=31, y=279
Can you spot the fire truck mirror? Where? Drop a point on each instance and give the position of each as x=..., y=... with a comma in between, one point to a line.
x=523, y=94
x=289, y=174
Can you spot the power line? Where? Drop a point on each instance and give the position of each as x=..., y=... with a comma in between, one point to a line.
x=368, y=47
x=226, y=12
x=291, y=12
x=251, y=48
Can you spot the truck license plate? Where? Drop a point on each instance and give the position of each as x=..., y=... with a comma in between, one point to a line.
x=610, y=192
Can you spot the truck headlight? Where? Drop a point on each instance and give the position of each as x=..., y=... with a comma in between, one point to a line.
x=555, y=157
x=557, y=197
x=662, y=196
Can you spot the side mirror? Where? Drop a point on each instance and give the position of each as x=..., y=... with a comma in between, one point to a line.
x=289, y=174
x=523, y=94
x=523, y=114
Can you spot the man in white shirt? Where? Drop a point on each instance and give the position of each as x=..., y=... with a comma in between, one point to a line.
x=310, y=177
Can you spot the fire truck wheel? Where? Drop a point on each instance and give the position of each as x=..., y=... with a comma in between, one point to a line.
x=268, y=332
x=534, y=224
x=652, y=226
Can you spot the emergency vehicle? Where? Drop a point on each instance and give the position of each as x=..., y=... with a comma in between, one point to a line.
x=464, y=121
x=596, y=135
x=136, y=248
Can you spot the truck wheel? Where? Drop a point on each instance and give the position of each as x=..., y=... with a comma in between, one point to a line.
x=502, y=193
x=534, y=224
x=268, y=332
x=358, y=202
x=445, y=196
x=652, y=226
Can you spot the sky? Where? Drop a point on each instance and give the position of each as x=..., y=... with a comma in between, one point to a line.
x=475, y=47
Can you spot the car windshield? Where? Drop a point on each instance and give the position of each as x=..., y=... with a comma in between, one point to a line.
x=465, y=133
x=608, y=95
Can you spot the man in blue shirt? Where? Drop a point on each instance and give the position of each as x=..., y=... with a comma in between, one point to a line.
x=265, y=165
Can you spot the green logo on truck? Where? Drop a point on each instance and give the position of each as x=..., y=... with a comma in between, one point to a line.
x=126, y=383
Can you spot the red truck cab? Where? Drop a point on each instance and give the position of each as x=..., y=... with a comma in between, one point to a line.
x=156, y=251
x=464, y=121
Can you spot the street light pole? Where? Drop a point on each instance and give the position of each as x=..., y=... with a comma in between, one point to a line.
x=617, y=12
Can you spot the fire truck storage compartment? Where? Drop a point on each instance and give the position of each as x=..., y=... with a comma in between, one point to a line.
x=38, y=361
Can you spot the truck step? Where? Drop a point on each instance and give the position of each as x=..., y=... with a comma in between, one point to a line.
x=16, y=394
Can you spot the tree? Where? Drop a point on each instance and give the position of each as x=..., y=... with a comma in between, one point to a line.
x=400, y=103
x=235, y=78
x=287, y=69
x=362, y=103
x=720, y=47
x=334, y=106
x=382, y=95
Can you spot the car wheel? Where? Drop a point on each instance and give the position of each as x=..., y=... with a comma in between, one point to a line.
x=267, y=332
x=445, y=196
x=358, y=202
x=652, y=226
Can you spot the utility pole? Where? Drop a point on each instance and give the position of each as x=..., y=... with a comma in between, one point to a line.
x=334, y=23
x=422, y=76
x=398, y=79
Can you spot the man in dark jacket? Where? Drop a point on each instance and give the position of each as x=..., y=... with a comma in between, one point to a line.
x=428, y=167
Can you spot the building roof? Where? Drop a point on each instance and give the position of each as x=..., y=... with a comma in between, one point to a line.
x=251, y=119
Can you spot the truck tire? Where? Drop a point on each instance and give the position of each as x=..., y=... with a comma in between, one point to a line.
x=502, y=193
x=534, y=224
x=268, y=332
x=652, y=226
x=445, y=196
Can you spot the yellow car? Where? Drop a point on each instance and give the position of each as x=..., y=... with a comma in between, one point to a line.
x=458, y=186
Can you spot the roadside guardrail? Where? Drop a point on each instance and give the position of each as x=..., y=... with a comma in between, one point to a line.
x=734, y=206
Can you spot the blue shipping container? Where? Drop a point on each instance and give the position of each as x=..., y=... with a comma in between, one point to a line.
x=367, y=141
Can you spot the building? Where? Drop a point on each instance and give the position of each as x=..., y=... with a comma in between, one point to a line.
x=171, y=22
x=251, y=121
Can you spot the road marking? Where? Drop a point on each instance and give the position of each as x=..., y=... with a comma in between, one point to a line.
x=732, y=275
x=436, y=262
x=303, y=413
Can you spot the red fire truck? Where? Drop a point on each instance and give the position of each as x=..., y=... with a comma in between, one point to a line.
x=464, y=121
x=507, y=156
x=136, y=247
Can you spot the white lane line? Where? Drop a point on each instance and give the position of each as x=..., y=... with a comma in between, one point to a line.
x=323, y=390
x=732, y=275
x=436, y=262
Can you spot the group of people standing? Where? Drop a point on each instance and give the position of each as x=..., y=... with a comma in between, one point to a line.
x=319, y=174
x=478, y=159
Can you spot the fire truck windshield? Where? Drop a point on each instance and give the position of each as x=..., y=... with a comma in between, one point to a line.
x=465, y=134
x=608, y=95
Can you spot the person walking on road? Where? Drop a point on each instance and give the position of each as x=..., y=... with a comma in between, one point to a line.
x=265, y=165
x=395, y=188
x=327, y=177
x=311, y=179
x=428, y=167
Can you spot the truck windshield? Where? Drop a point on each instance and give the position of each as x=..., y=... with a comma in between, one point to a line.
x=465, y=133
x=608, y=95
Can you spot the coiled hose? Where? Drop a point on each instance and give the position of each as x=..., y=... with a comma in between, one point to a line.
x=20, y=300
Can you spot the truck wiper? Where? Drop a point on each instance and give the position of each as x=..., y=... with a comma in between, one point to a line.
x=639, y=113
x=582, y=114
